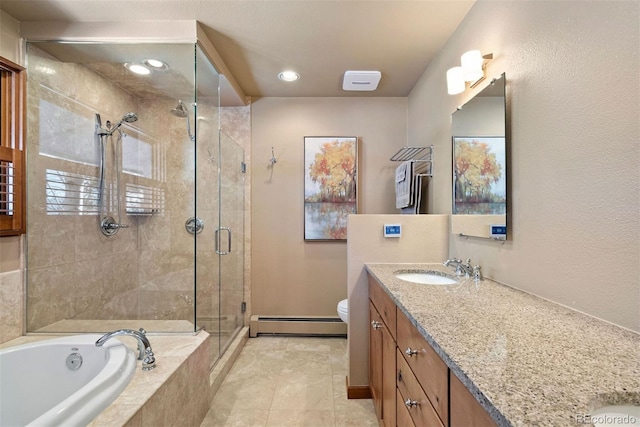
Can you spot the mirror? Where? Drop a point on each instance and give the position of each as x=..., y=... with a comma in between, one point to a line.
x=479, y=205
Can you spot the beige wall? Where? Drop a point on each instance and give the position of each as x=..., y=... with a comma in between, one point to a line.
x=289, y=276
x=572, y=81
x=424, y=240
x=9, y=38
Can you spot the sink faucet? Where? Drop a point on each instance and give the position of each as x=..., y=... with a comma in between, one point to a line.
x=461, y=269
x=145, y=353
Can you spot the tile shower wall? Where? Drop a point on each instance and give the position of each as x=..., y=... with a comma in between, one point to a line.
x=145, y=271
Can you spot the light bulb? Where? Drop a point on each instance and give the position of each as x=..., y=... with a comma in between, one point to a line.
x=472, y=65
x=455, y=81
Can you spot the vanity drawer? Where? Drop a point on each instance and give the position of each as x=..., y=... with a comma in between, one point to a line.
x=403, y=418
x=421, y=412
x=384, y=304
x=430, y=371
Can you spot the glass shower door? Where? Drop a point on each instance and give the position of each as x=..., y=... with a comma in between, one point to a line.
x=230, y=239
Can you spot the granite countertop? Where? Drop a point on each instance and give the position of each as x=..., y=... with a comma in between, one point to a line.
x=528, y=361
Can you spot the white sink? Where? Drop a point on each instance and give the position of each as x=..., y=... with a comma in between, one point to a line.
x=426, y=278
x=620, y=415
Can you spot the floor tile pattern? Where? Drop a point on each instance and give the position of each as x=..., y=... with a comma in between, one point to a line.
x=286, y=382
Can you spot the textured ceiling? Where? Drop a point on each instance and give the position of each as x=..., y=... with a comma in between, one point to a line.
x=320, y=39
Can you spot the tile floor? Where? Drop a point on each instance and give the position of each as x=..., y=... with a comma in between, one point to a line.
x=283, y=381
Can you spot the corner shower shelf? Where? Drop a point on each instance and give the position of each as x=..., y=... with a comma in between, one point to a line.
x=422, y=156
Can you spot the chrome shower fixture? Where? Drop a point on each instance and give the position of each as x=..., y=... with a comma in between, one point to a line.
x=109, y=225
x=129, y=117
x=182, y=112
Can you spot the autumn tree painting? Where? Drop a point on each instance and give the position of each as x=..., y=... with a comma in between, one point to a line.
x=479, y=176
x=330, y=186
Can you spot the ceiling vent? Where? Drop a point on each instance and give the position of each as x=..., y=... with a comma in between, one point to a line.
x=361, y=80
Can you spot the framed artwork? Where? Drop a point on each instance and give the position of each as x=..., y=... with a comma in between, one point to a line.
x=479, y=176
x=330, y=186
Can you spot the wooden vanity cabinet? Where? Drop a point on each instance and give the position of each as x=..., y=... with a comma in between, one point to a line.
x=382, y=354
x=465, y=409
x=410, y=384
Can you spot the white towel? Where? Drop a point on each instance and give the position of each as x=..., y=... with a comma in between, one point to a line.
x=404, y=175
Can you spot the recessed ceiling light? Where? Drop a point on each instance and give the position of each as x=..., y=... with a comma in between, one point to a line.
x=138, y=69
x=289, y=76
x=155, y=63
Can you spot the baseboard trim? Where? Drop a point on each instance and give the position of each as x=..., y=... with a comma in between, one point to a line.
x=357, y=391
x=296, y=325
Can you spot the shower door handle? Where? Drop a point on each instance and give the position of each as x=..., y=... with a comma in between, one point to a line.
x=217, y=242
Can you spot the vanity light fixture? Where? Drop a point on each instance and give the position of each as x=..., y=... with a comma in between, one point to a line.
x=471, y=69
x=289, y=76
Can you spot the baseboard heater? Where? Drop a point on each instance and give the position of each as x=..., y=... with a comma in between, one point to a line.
x=297, y=325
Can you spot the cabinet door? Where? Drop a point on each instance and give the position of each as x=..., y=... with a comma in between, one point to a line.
x=382, y=369
x=465, y=409
x=375, y=358
x=388, y=379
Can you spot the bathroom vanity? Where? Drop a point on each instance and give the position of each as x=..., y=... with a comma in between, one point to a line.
x=484, y=354
x=409, y=381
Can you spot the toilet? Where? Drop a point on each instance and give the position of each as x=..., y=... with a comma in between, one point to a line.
x=343, y=310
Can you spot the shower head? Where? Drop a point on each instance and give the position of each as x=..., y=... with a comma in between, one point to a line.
x=129, y=117
x=180, y=110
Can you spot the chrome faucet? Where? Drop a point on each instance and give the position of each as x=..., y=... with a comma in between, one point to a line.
x=461, y=269
x=477, y=273
x=145, y=353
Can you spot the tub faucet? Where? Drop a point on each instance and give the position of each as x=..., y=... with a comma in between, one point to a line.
x=461, y=269
x=145, y=353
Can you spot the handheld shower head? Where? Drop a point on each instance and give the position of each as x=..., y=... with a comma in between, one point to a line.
x=129, y=117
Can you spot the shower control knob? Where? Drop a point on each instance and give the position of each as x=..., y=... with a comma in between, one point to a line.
x=109, y=226
x=194, y=225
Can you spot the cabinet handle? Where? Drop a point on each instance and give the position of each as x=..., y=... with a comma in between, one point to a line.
x=410, y=403
x=376, y=325
x=409, y=352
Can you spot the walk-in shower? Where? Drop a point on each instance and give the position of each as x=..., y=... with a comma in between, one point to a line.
x=134, y=176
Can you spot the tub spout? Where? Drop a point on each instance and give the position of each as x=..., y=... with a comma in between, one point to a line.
x=145, y=353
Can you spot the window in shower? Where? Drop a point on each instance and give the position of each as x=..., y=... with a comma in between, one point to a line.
x=12, y=158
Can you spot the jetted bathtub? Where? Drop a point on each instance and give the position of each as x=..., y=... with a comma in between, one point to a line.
x=64, y=381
